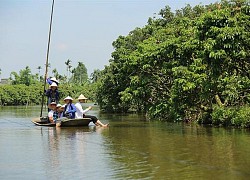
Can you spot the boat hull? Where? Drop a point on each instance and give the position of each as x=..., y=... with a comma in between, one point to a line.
x=73, y=122
x=43, y=121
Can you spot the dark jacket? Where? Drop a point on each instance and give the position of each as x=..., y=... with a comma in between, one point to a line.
x=53, y=96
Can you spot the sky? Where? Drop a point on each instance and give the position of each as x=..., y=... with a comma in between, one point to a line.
x=82, y=30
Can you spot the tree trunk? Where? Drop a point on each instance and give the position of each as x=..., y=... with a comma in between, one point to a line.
x=218, y=101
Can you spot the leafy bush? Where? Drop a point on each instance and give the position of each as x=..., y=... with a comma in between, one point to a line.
x=21, y=94
x=223, y=115
x=231, y=116
x=242, y=117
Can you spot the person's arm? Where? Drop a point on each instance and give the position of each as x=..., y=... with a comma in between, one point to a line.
x=86, y=110
x=47, y=93
x=57, y=95
x=49, y=81
x=50, y=116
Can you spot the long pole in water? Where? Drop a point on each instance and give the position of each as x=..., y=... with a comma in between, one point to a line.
x=47, y=58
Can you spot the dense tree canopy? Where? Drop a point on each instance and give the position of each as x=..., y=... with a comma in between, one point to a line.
x=187, y=65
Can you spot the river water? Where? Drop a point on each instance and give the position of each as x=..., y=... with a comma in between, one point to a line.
x=131, y=148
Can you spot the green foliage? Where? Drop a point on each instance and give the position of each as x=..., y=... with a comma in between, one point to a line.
x=222, y=115
x=21, y=94
x=75, y=90
x=96, y=75
x=79, y=74
x=242, y=117
x=27, y=88
x=24, y=77
x=179, y=65
x=231, y=116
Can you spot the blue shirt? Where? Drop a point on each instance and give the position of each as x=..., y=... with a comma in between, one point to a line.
x=70, y=109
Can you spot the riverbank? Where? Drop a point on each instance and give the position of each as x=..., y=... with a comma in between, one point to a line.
x=234, y=117
x=191, y=64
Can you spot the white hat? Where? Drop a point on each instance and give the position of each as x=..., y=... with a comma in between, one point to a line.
x=52, y=103
x=54, y=80
x=53, y=84
x=58, y=105
x=82, y=97
x=68, y=98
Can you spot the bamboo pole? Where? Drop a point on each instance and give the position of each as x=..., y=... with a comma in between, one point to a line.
x=47, y=57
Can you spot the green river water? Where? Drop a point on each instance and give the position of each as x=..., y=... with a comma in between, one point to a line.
x=131, y=148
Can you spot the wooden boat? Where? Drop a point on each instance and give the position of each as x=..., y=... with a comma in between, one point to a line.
x=73, y=122
x=64, y=122
x=42, y=121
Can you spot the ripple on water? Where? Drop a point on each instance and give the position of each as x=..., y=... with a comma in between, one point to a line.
x=129, y=149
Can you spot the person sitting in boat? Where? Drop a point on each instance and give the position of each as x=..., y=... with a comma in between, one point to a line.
x=60, y=109
x=51, y=80
x=70, y=108
x=80, y=113
x=52, y=93
x=52, y=115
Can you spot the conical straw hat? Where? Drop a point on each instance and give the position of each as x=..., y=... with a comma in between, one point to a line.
x=68, y=98
x=58, y=105
x=52, y=103
x=54, y=80
x=82, y=97
x=53, y=84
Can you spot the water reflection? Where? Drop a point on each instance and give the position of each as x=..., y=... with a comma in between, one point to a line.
x=69, y=151
x=131, y=148
x=161, y=150
x=20, y=111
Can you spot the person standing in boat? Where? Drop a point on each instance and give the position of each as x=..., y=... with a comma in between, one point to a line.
x=80, y=113
x=52, y=93
x=52, y=115
x=70, y=108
